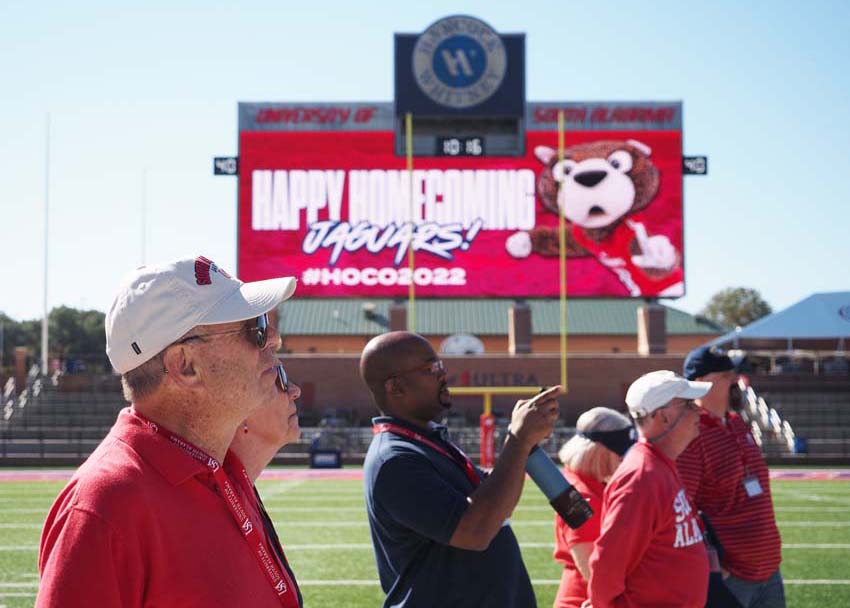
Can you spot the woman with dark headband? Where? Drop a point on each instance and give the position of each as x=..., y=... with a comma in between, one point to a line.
x=590, y=457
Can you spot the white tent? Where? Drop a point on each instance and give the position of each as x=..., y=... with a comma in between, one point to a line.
x=820, y=322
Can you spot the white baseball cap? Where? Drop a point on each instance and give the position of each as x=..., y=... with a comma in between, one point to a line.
x=157, y=305
x=656, y=389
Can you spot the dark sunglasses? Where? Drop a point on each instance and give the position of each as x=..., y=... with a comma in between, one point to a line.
x=282, y=380
x=257, y=334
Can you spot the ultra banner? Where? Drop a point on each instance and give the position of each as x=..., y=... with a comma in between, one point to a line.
x=334, y=209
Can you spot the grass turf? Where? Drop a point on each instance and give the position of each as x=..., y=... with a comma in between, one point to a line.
x=322, y=525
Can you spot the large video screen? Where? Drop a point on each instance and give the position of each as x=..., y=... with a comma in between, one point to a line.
x=338, y=210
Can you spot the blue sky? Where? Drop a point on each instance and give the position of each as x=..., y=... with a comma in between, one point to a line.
x=152, y=88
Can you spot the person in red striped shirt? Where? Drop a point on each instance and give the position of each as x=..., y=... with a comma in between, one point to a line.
x=727, y=479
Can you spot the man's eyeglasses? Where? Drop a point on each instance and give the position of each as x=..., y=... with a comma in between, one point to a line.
x=257, y=334
x=434, y=368
x=690, y=404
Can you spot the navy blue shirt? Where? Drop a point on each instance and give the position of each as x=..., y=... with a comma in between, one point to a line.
x=415, y=498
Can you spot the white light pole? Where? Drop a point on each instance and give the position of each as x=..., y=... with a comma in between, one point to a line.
x=46, y=210
x=144, y=214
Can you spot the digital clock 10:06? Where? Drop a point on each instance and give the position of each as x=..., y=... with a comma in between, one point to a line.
x=460, y=146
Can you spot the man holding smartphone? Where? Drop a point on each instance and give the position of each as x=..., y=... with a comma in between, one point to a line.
x=439, y=524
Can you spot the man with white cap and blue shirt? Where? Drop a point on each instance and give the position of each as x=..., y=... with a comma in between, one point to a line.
x=650, y=551
x=162, y=513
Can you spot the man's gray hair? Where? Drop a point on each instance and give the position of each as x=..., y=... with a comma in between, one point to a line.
x=141, y=382
x=588, y=457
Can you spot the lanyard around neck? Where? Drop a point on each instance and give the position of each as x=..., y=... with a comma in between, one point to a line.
x=455, y=455
x=278, y=577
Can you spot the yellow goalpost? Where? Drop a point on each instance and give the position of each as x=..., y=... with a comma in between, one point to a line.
x=487, y=392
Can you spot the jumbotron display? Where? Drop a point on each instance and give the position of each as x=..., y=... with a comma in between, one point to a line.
x=323, y=196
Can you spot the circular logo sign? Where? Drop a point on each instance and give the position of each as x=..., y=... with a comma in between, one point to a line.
x=459, y=62
x=844, y=312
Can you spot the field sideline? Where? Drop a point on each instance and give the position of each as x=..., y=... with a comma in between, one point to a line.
x=322, y=525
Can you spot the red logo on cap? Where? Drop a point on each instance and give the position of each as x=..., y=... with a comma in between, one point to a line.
x=203, y=266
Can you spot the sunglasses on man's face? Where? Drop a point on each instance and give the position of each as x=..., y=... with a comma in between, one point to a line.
x=434, y=368
x=257, y=333
x=282, y=380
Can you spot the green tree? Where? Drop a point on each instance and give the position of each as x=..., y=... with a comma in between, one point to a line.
x=72, y=334
x=735, y=306
x=76, y=332
x=17, y=333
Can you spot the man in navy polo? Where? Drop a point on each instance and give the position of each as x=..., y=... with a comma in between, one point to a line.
x=438, y=523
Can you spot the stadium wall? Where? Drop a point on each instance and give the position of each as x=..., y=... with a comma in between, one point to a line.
x=497, y=344
x=592, y=380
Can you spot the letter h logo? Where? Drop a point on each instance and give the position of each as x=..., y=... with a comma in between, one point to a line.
x=455, y=61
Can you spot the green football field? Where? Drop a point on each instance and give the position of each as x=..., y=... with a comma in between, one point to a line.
x=322, y=525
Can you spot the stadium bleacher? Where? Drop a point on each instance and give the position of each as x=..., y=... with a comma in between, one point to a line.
x=802, y=419
x=47, y=426
x=821, y=418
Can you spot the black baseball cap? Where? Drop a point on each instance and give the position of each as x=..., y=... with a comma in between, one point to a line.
x=705, y=360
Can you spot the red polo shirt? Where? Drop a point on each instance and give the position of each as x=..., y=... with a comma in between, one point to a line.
x=573, y=589
x=141, y=524
x=650, y=551
x=713, y=469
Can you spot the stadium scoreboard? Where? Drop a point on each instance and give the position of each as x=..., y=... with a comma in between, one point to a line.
x=326, y=193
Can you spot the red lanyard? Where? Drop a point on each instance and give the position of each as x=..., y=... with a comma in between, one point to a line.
x=456, y=456
x=278, y=577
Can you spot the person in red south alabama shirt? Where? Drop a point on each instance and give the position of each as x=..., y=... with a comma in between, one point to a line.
x=590, y=457
x=727, y=479
x=650, y=551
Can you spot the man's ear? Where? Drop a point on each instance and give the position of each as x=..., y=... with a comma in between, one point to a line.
x=393, y=388
x=180, y=368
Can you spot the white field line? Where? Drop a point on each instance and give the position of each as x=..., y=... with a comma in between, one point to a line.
x=819, y=498
x=317, y=489
x=811, y=509
x=33, y=585
x=271, y=506
x=363, y=546
x=539, y=524
x=813, y=524
x=515, y=524
x=274, y=492
x=374, y=583
x=308, y=491
x=816, y=545
x=27, y=500
x=816, y=581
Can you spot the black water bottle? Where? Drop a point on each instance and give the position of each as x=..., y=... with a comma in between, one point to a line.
x=564, y=498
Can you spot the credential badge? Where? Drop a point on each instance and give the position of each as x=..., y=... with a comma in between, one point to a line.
x=459, y=61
